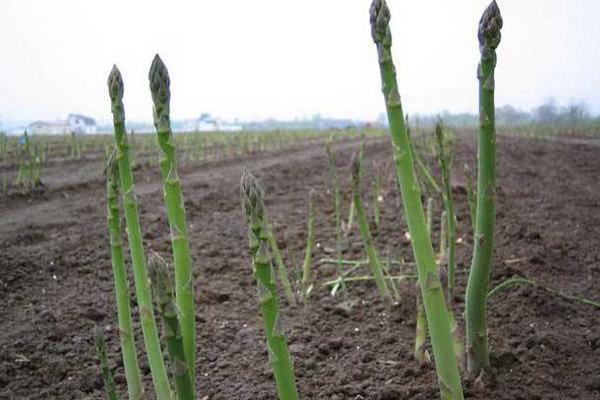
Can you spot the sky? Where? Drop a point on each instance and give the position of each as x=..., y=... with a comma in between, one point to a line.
x=287, y=58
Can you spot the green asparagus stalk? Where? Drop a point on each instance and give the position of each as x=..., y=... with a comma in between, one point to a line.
x=130, y=361
x=182, y=260
x=479, y=276
x=444, y=160
x=431, y=288
x=422, y=169
x=335, y=188
x=164, y=299
x=306, y=284
x=352, y=212
x=255, y=211
x=107, y=377
x=378, y=199
x=134, y=236
x=421, y=354
x=429, y=214
x=471, y=196
x=281, y=269
x=365, y=233
x=443, y=236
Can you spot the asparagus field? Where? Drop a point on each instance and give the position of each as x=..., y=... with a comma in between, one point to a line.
x=363, y=262
x=56, y=283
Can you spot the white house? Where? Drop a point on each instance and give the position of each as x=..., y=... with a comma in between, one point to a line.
x=81, y=124
x=48, y=128
x=75, y=123
x=206, y=123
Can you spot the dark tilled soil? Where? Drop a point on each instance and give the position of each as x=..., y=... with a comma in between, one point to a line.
x=56, y=283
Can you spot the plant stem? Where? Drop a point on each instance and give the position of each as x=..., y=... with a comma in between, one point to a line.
x=335, y=188
x=281, y=269
x=134, y=235
x=479, y=276
x=431, y=288
x=365, y=234
x=516, y=280
x=162, y=289
x=421, y=354
x=130, y=361
x=471, y=196
x=445, y=166
x=355, y=263
x=255, y=211
x=429, y=214
x=107, y=377
x=182, y=260
x=310, y=242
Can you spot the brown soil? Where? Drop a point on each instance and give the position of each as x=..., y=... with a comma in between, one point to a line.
x=56, y=283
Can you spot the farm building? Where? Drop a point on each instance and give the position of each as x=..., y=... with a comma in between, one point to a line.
x=48, y=128
x=81, y=124
x=207, y=123
x=75, y=123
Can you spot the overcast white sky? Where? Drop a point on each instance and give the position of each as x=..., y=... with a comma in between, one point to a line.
x=287, y=58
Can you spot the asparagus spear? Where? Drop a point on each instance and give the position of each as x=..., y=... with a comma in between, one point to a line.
x=479, y=277
x=431, y=288
x=182, y=260
x=134, y=235
x=162, y=290
x=365, y=233
x=444, y=161
x=107, y=377
x=335, y=189
x=130, y=361
x=281, y=269
x=255, y=211
x=471, y=195
x=308, y=253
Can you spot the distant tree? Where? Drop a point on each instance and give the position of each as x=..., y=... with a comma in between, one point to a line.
x=511, y=116
x=547, y=112
x=576, y=112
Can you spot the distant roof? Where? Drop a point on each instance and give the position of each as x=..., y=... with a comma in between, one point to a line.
x=47, y=123
x=86, y=120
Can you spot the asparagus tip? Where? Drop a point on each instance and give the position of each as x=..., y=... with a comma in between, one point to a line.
x=489, y=27
x=159, y=276
x=355, y=166
x=160, y=86
x=115, y=84
x=252, y=195
x=380, y=19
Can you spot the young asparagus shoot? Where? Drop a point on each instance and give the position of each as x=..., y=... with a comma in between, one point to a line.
x=443, y=237
x=471, y=195
x=421, y=354
x=365, y=233
x=336, y=193
x=107, y=376
x=445, y=160
x=429, y=214
x=134, y=236
x=182, y=260
x=135, y=387
x=164, y=299
x=281, y=269
x=306, y=284
x=422, y=169
x=352, y=212
x=431, y=288
x=255, y=211
x=378, y=198
x=481, y=264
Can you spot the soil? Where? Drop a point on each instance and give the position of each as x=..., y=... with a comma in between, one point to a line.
x=56, y=280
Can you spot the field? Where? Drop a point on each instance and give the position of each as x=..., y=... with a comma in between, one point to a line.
x=56, y=282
